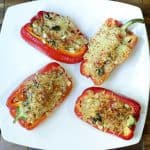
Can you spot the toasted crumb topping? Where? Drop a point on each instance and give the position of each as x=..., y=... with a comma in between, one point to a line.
x=108, y=48
x=106, y=112
x=59, y=31
x=43, y=93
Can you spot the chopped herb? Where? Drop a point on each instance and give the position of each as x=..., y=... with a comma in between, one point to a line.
x=36, y=84
x=129, y=40
x=97, y=118
x=26, y=102
x=52, y=42
x=56, y=28
x=100, y=71
x=46, y=16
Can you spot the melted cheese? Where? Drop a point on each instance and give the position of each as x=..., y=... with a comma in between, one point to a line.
x=59, y=31
x=113, y=113
x=43, y=93
x=107, y=49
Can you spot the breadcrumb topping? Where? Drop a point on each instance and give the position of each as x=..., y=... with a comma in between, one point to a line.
x=110, y=47
x=43, y=93
x=59, y=31
x=106, y=112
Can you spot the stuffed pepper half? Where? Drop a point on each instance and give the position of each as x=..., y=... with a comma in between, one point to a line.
x=108, y=111
x=39, y=95
x=110, y=47
x=56, y=36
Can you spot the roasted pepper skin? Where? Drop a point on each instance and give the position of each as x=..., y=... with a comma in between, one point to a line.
x=135, y=105
x=59, y=55
x=13, y=105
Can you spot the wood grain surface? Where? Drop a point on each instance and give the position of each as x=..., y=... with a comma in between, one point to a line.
x=145, y=6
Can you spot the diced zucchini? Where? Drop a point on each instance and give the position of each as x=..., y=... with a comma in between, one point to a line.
x=127, y=131
x=20, y=114
x=131, y=121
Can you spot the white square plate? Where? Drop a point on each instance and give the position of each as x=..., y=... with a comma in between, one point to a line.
x=63, y=130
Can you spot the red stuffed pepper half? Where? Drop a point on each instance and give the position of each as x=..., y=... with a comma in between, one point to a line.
x=108, y=48
x=38, y=95
x=56, y=36
x=108, y=111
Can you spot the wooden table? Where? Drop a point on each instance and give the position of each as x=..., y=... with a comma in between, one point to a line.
x=145, y=6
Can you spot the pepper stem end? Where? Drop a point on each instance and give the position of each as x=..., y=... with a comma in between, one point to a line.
x=130, y=22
